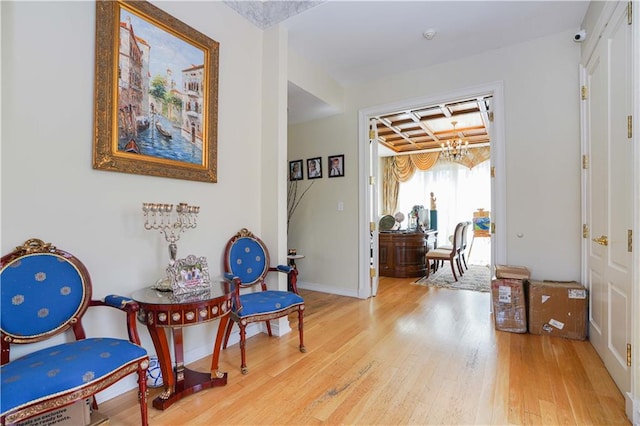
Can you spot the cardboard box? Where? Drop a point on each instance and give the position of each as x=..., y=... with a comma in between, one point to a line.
x=509, y=305
x=98, y=418
x=76, y=414
x=516, y=272
x=558, y=309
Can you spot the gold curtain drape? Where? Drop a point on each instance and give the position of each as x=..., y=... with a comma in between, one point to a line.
x=426, y=160
x=401, y=168
x=390, y=186
x=398, y=169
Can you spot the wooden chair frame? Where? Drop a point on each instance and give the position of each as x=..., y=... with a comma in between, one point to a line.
x=451, y=254
x=464, y=244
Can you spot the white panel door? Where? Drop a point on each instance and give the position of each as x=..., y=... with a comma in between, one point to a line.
x=609, y=197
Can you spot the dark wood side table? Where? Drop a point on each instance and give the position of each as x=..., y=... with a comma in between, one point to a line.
x=160, y=310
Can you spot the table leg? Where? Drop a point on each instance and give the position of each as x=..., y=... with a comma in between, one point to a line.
x=292, y=263
x=184, y=381
x=159, y=339
x=215, y=357
x=179, y=353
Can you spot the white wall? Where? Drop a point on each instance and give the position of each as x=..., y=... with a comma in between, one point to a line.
x=540, y=80
x=327, y=237
x=49, y=189
x=314, y=80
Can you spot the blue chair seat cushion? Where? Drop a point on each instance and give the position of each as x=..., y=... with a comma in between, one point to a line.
x=267, y=302
x=63, y=368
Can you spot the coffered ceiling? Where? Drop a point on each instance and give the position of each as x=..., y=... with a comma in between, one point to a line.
x=425, y=128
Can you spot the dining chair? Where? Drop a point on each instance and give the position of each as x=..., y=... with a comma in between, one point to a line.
x=451, y=254
x=464, y=244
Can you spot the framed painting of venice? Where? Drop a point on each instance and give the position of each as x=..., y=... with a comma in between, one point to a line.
x=156, y=94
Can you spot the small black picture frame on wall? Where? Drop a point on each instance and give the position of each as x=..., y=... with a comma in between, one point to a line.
x=295, y=170
x=314, y=168
x=336, y=165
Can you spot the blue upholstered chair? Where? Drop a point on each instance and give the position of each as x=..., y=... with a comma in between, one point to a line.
x=246, y=263
x=45, y=292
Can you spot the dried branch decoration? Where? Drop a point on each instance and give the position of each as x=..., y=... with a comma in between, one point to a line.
x=293, y=200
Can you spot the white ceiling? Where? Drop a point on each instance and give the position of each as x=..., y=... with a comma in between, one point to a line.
x=356, y=41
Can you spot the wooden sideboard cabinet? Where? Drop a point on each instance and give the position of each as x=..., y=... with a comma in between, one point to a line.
x=401, y=254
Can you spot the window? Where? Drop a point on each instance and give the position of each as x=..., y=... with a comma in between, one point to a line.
x=459, y=191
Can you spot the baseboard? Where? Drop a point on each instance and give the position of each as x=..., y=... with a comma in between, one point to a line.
x=632, y=408
x=340, y=291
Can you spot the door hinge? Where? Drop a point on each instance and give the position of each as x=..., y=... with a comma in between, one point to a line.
x=629, y=127
x=585, y=231
x=491, y=116
x=372, y=180
x=372, y=226
x=584, y=92
x=629, y=240
x=628, y=354
x=629, y=14
x=372, y=134
x=585, y=161
x=493, y=227
x=372, y=272
x=493, y=171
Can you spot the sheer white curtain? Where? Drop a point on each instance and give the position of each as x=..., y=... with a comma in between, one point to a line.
x=459, y=191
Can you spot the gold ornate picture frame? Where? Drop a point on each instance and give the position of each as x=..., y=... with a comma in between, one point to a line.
x=156, y=94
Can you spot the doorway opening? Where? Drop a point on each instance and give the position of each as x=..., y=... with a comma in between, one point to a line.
x=370, y=179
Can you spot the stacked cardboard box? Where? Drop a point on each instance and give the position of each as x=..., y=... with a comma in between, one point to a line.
x=509, y=298
x=558, y=309
x=540, y=307
x=515, y=272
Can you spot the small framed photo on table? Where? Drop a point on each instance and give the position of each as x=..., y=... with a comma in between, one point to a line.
x=314, y=168
x=189, y=275
x=336, y=166
x=295, y=170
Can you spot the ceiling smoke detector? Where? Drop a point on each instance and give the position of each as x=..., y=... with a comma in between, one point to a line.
x=429, y=34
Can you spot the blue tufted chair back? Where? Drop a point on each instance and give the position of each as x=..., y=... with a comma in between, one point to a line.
x=248, y=259
x=43, y=294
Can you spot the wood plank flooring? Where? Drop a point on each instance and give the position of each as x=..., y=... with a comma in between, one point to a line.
x=413, y=355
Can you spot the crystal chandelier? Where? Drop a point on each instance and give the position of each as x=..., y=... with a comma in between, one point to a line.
x=456, y=148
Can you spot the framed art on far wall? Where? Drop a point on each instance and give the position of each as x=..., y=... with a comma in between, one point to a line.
x=295, y=170
x=336, y=165
x=314, y=168
x=156, y=94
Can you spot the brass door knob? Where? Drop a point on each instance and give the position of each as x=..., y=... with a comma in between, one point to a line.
x=603, y=240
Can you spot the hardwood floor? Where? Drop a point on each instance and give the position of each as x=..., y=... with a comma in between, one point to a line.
x=412, y=355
